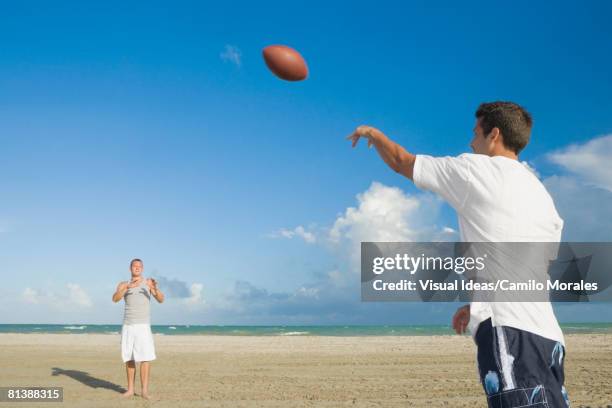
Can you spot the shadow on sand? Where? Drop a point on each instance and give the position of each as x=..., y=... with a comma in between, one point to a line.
x=88, y=380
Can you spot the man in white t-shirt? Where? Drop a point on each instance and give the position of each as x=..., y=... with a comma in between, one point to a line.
x=497, y=199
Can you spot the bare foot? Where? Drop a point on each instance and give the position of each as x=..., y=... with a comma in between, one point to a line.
x=127, y=394
x=145, y=395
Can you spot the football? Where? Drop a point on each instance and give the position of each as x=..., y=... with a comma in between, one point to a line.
x=285, y=62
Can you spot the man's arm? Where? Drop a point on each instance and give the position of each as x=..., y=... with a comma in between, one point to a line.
x=120, y=292
x=157, y=294
x=450, y=177
x=398, y=158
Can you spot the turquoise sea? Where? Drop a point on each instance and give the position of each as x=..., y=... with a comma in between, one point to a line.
x=409, y=330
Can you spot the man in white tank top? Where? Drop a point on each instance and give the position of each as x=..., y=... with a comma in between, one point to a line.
x=136, y=338
x=521, y=347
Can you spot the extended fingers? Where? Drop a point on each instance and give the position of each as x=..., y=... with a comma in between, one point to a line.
x=358, y=133
x=354, y=137
x=361, y=131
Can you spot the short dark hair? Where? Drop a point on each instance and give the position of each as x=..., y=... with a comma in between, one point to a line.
x=512, y=120
x=135, y=260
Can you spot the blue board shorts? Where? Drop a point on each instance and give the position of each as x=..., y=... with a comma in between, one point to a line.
x=520, y=369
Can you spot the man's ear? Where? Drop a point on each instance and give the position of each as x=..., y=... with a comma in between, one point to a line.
x=495, y=135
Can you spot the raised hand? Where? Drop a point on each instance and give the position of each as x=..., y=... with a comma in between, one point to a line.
x=122, y=288
x=368, y=132
x=152, y=284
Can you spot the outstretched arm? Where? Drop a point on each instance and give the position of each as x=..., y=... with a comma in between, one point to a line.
x=398, y=158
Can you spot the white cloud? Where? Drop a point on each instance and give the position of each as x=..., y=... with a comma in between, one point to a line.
x=298, y=231
x=586, y=210
x=195, y=297
x=449, y=230
x=388, y=214
x=308, y=292
x=74, y=296
x=30, y=295
x=590, y=161
x=583, y=196
x=78, y=296
x=232, y=54
x=382, y=213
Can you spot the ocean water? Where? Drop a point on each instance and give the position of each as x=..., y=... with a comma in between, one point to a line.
x=173, y=330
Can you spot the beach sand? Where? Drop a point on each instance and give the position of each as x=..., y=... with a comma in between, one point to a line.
x=283, y=371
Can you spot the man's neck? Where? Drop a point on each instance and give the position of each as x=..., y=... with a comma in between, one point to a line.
x=506, y=153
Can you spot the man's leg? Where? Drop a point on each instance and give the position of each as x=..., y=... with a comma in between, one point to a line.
x=488, y=369
x=519, y=368
x=130, y=369
x=145, y=366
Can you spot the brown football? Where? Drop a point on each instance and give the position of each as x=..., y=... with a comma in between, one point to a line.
x=285, y=62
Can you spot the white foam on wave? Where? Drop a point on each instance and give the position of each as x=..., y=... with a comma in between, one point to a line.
x=75, y=327
x=172, y=327
x=294, y=333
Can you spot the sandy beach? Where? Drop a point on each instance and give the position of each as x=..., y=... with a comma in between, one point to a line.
x=283, y=371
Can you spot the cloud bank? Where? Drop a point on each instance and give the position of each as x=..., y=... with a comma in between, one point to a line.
x=74, y=295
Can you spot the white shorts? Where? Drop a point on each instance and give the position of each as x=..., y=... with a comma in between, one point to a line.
x=137, y=342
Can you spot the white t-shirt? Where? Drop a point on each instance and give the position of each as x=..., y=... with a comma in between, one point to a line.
x=497, y=199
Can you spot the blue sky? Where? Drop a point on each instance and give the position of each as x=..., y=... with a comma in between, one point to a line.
x=126, y=132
